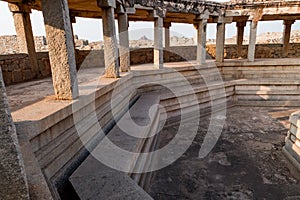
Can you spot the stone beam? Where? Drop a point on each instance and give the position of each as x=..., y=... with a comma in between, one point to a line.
x=158, y=43
x=240, y=37
x=24, y=34
x=252, y=41
x=61, y=48
x=123, y=40
x=286, y=36
x=13, y=184
x=111, y=52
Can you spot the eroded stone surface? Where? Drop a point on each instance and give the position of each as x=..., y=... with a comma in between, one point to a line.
x=246, y=163
x=13, y=184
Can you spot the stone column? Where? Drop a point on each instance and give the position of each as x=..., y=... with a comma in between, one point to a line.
x=61, y=48
x=124, y=49
x=13, y=184
x=24, y=34
x=286, y=36
x=220, y=43
x=111, y=51
x=201, y=40
x=240, y=37
x=252, y=41
x=158, y=42
x=167, y=26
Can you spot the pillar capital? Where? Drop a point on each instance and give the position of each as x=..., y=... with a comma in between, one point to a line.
x=106, y=3
x=120, y=9
x=72, y=18
x=154, y=14
x=241, y=23
x=167, y=24
x=19, y=8
x=288, y=22
x=196, y=22
x=202, y=16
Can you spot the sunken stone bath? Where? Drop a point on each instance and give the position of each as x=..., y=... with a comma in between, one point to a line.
x=159, y=123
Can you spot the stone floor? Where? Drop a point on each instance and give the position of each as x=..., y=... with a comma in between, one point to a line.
x=246, y=163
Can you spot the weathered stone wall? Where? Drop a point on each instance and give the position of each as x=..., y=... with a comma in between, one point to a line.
x=9, y=44
x=262, y=51
x=16, y=68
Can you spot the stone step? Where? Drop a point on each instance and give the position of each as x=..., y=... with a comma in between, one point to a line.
x=267, y=103
x=268, y=97
x=144, y=113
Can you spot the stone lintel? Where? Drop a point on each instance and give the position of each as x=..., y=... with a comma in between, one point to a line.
x=222, y=19
x=106, y=3
x=130, y=10
x=19, y=8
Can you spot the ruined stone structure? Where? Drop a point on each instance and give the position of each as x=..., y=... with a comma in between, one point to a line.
x=61, y=122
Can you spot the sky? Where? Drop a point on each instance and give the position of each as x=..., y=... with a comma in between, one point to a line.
x=91, y=29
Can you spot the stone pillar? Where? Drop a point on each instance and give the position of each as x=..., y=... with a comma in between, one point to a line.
x=220, y=43
x=24, y=34
x=158, y=43
x=167, y=26
x=286, y=36
x=240, y=37
x=61, y=48
x=201, y=40
x=13, y=184
x=111, y=51
x=124, y=49
x=252, y=41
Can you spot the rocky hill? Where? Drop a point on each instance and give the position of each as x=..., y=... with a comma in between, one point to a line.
x=9, y=44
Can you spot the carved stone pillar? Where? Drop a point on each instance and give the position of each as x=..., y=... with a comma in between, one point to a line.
x=220, y=43
x=123, y=40
x=252, y=41
x=240, y=37
x=111, y=51
x=61, y=48
x=286, y=36
x=158, y=43
x=24, y=34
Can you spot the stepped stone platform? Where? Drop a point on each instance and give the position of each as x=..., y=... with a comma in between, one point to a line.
x=59, y=149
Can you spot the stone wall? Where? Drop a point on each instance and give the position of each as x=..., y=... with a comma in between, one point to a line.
x=262, y=51
x=9, y=44
x=16, y=67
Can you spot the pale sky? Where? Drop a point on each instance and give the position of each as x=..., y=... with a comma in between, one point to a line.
x=91, y=29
